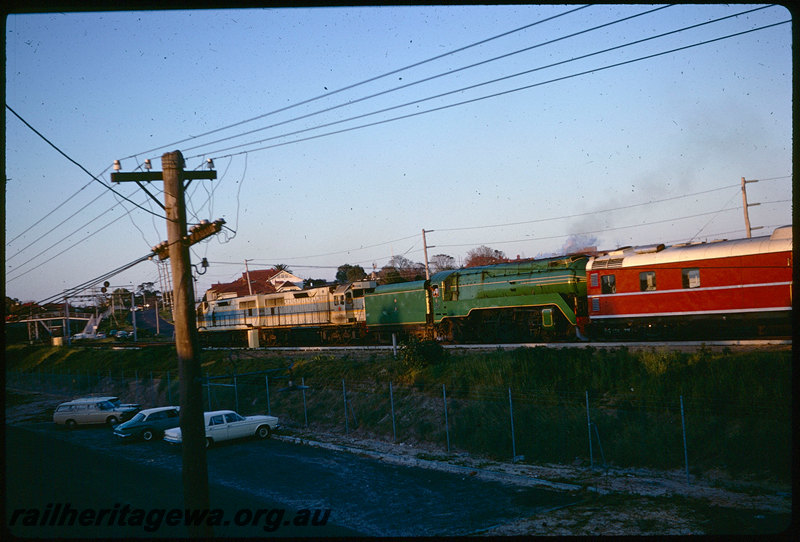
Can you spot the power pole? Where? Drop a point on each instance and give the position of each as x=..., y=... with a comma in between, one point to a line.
x=67, y=338
x=133, y=313
x=195, y=469
x=247, y=272
x=425, y=247
x=745, y=205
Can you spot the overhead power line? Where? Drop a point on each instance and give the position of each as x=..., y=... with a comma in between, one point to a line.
x=486, y=97
x=364, y=82
x=59, y=206
x=424, y=80
x=65, y=155
x=51, y=230
x=94, y=282
x=67, y=248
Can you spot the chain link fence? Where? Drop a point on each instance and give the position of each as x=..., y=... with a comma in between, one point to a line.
x=583, y=427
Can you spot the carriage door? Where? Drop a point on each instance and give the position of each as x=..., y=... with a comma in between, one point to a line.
x=348, y=306
x=340, y=309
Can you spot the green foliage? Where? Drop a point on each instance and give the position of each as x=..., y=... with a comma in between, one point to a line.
x=349, y=273
x=416, y=355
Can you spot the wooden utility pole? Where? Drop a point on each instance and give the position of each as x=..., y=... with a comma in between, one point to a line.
x=425, y=247
x=745, y=205
x=195, y=469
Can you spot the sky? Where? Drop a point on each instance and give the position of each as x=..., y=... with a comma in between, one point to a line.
x=338, y=134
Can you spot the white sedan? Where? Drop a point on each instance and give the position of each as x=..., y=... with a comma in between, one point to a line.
x=227, y=424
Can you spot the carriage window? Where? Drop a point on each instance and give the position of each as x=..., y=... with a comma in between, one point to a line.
x=594, y=280
x=691, y=278
x=608, y=284
x=647, y=281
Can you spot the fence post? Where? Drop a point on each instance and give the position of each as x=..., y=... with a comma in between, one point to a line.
x=513, y=440
x=446, y=425
x=685, y=452
x=344, y=396
x=391, y=401
x=599, y=444
x=236, y=391
x=169, y=392
x=305, y=409
x=589, y=425
x=266, y=385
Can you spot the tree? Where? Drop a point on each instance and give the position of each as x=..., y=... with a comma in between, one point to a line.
x=313, y=283
x=146, y=291
x=350, y=273
x=484, y=255
x=282, y=267
x=401, y=269
x=121, y=298
x=441, y=262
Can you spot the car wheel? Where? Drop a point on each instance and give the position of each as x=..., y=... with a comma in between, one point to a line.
x=70, y=424
x=263, y=431
x=209, y=442
x=147, y=435
x=112, y=421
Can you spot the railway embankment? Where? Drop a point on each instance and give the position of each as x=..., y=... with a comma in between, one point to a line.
x=700, y=412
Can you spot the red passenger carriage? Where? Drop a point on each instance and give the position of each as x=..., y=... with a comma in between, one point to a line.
x=720, y=289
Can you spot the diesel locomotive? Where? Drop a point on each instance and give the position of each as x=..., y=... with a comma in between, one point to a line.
x=721, y=289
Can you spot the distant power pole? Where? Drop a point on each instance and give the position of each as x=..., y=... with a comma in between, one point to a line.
x=195, y=469
x=745, y=205
x=247, y=272
x=425, y=248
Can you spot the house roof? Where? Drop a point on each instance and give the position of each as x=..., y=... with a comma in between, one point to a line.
x=261, y=282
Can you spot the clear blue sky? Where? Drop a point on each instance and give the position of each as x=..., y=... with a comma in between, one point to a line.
x=650, y=151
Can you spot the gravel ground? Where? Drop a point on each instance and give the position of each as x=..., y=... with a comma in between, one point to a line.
x=614, y=501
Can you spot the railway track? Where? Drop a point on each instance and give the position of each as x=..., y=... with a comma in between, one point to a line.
x=738, y=344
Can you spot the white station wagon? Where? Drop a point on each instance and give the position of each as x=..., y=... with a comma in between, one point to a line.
x=226, y=425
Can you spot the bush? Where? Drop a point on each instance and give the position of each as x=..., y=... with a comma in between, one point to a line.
x=416, y=355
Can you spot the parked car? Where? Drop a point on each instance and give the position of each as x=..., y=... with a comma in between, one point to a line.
x=88, y=410
x=116, y=401
x=122, y=334
x=149, y=423
x=227, y=424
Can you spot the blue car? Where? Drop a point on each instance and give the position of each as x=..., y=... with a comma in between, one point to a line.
x=149, y=423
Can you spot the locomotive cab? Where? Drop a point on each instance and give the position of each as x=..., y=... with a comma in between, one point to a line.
x=348, y=302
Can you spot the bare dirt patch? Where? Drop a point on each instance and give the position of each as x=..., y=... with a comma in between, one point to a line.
x=613, y=501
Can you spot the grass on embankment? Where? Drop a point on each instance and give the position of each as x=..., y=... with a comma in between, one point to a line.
x=738, y=403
